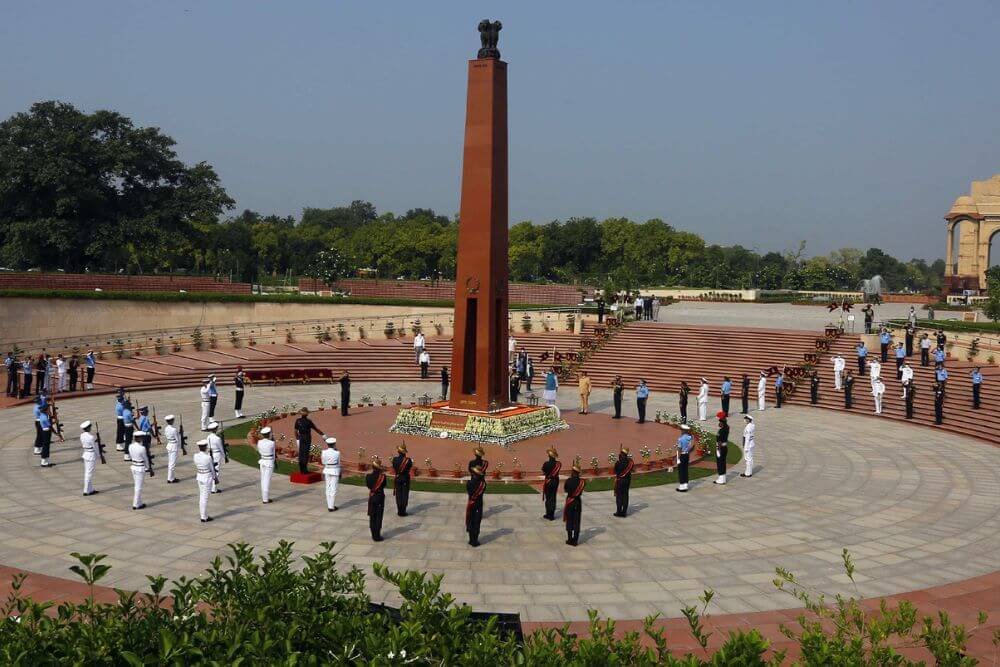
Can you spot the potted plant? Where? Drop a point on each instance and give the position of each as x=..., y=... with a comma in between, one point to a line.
x=158, y=346
x=498, y=470
x=213, y=342
x=234, y=337
x=430, y=468
x=361, y=332
x=595, y=465
x=645, y=454
x=438, y=328
x=362, y=466
x=515, y=471
x=526, y=323
x=289, y=338
x=383, y=400
x=457, y=471
x=399, y=400
x=322, y=404
x=251, y=341
x=389, y=330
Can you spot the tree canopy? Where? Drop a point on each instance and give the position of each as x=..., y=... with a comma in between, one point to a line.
x=94, y=192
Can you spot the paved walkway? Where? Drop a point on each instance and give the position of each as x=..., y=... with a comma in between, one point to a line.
x=916, y=508
x=779, y=315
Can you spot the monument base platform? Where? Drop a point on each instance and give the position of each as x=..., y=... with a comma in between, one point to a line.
x=306, y=478
x=504, y=427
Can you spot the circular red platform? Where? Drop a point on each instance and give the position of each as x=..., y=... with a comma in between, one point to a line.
x=588, y=436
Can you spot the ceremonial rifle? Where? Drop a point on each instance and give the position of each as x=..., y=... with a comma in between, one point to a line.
x=183, y=437
x=100, y=445
x=156, y=428
x=54, y=413
x=225, y=445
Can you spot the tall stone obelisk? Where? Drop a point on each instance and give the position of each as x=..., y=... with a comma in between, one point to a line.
x=479, y=354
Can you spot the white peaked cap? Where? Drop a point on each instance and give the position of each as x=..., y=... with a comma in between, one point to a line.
x=139, y=434
x=704, y=380
x=213, y=425
x=331, y=441
x=169, y=418
x=266, y=430
x=85, y=425
x=685, y=427
x=202, y=443
x=748, y=418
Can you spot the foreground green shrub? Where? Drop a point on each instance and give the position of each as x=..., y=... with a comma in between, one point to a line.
x=271, y=610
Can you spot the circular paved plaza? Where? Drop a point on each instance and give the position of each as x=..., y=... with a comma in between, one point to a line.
x=916, y=508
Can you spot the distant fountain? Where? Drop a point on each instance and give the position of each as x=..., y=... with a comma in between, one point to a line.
x=873, y=288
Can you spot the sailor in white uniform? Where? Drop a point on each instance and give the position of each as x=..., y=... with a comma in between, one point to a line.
x=331, y=472
x=265, y=450
x=140, y=466
x=206, y=403
x=906, y=372
x=173, y=437
x=88, y=441
x=218, y=452
x=761, y=390
x=838, y=370
x=875, y=367
x=703, y=400
x=749, y=445
x=878, y=390
x=204, y=473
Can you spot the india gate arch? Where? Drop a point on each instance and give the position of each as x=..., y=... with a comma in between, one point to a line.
x=972, y=225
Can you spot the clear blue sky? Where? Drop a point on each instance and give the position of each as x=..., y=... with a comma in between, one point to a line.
x=760, y=123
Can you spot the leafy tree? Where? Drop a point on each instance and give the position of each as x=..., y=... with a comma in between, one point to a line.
x=82, y=190
x=992, y=306
x=329, y=266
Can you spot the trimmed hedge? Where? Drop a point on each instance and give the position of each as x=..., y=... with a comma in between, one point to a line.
x=953, y=325
x=217, y=297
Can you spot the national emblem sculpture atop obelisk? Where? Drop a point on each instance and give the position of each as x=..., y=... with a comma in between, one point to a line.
x=479, y=356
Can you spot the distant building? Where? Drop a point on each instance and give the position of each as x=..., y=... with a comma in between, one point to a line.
x=972, y=223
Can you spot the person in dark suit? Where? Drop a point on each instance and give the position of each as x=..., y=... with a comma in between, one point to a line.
x=550, y=487
x=445, y=381
x=721, y=448
x=617, y=391
x=345, y=392
x=475, y=488
x=623, y=481
x=375, y=481
x=573, y=510
x=682, y=400
x=402, y=467
x=745, y=393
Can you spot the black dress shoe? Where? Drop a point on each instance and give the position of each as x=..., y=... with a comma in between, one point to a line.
x=378, y=539
x=473, y=544
x=682, y=490
x=206, y=520
x=142, y=506
x=743, y=474
x=266, y=502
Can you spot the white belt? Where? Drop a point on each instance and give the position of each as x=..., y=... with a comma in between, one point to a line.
x=269, y=458
x=88, y=449
x=332, y=467
x=140, y=466
x=120, y=418
x=206, y=400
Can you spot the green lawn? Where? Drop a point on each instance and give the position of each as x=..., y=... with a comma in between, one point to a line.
x=246, y=455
